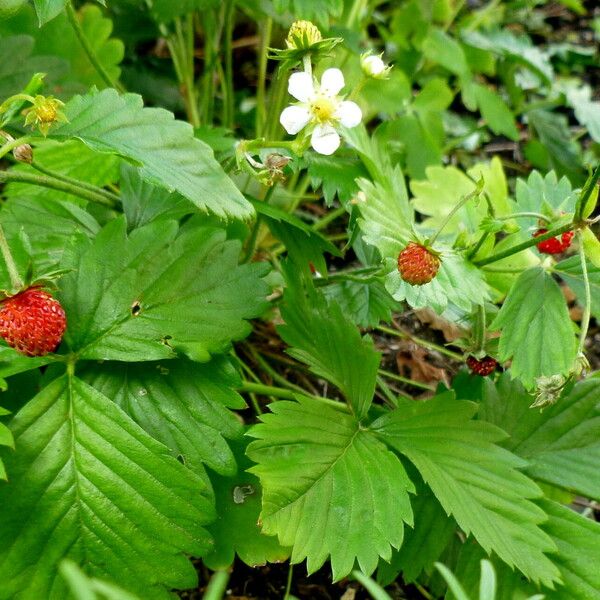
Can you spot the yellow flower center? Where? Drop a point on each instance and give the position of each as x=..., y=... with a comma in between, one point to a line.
x=46, y=113
x=323, y=108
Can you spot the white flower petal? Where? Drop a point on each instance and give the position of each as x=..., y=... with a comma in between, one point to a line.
x=325, y=139
x=349, y=114
x=300, y=85
x=332, y=81
x=294, y=118
x=373, y=65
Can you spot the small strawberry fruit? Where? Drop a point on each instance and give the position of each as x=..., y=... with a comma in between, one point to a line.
x=32, y=322
x=554, y=245
x=485, y=366
x=417, y=264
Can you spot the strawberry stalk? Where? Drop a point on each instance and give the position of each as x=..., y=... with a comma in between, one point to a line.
x=13, y=273
x=587, y=308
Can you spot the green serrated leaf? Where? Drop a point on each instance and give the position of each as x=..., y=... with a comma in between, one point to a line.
x=108, y=497
x=236, y=530
x=321, y=336
x=48, y=9
x=442, y=49
x=89, y=588
x=143, y=296
x=578, y=552
x=330, y=488
x=495, y=111
x=587, y=111
x=183, y=405
x=165, y=149
x=536, y=331
x=560, y=443
x=474, y=479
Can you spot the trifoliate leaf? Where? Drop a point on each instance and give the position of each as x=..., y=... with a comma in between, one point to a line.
x=578, y=552
x=152, y=293
x=536, y=332
x=474, y=479
x=88, y=484
x=321, y=336
x=330, y=488
x=366, y=303
x=144, y=202
x=457, y=282
x=236, y=531
x=181, y=404
x=560, y=443
x=165, y=149
x=570, y=271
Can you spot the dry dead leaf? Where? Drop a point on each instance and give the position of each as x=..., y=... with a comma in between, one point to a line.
x=451, y=331
x=412, y=363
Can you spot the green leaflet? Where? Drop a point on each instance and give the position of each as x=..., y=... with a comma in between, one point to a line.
x=330, y=488
x=181, y=404
x=88, y=484
x=536, y=331
x=570, y=271
x=165, y=149
x=474, y=479
x=48, y=9
x=88, y=588
x=321, y=336
x=6, y=439
x=237, y=532
x=152, y=293
x=495, y=111
x=560, y=443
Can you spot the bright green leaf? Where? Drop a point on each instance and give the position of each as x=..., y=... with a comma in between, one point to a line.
x=88, y=484
x=166, y=150
x=591, y=246
x=495, y=111
x=474, y=479
x=570, y=271
x=536, y=331
x=146, y=295
x=442, y=49
x=330, y=488
x=90, y=588
x=587, y=111
x=48, y=9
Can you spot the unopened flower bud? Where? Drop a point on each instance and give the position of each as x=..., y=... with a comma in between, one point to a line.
x=23, y=153
x=373, y=66
x=302, y=35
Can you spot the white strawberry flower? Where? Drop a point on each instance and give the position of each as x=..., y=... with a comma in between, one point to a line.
x=320, y=109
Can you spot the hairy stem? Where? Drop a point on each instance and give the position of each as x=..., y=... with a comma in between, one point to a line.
x=216, y=586
x=15, y=279
x=90, y=52
x=261, y=108
x=587, y=309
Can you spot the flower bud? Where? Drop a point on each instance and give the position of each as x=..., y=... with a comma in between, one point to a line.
x=23, y=153
x=374, y=67
x=302, y=35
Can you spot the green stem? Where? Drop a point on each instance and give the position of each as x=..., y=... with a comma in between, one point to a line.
x=590, y=185
x=269, y=370
x=524, y=245
x=55, y=184
x=12, y=144
x=13, y=272
x=329, y=217
x=90, y=52
x=251, y=246
x=216, y=586
x=84, y=185
x=587, y=309
x=525, y=214
x=420, y=342
x=278, y=94
x=228, y=100
x=478, y=245
x=288, y=585
x=277, y=392
x=261, y=108
x=406, y=380
x=186, y=60
x=454, y=210
x=389, y=395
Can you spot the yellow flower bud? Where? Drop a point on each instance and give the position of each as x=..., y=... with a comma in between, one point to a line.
x=302, y=35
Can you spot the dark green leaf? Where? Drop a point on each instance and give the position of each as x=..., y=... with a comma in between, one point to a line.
x=88, y=484
x=149, y=294
x=474, y=479
x=165, y=149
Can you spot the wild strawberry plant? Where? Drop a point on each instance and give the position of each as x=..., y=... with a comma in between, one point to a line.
x=170, y=225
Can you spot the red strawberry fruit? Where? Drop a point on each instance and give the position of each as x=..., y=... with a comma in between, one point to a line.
x=485, y=366
x=554, y=245
x=32, y=322
x=417, y=264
